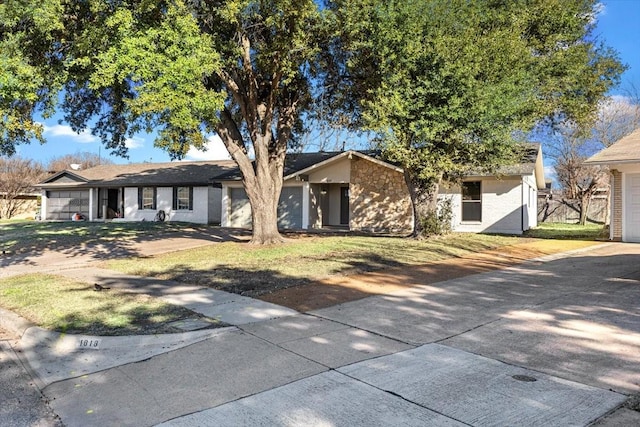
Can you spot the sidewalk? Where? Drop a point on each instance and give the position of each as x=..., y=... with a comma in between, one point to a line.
x=554, y=341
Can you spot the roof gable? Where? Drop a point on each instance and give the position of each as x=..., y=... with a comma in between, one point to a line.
x=296, y=164
x=625, y=150
x=65, y=177
x=335, y=157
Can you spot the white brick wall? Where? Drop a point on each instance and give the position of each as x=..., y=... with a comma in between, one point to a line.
x=501, y=206
x=164, y=202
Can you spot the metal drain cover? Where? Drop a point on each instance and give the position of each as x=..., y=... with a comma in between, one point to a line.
x=525, y=378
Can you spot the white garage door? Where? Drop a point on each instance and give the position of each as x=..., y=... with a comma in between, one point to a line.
x=632, y=208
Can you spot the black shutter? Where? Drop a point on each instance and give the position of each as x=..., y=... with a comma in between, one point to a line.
x=155, y=197
x=175, y=198
x=140, y=198
x=190, y=198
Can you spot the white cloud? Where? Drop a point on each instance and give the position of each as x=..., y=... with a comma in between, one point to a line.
x=135, y=142
x=549, y=172
x=83, y=137
x=215, y=150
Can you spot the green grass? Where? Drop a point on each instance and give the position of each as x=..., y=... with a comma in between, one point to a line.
x=562, y=231
x=241, y=268
x=65, y=305
x=34, y=236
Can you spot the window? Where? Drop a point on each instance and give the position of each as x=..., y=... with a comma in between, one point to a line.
x=471, y=201
x=147, y=198
x=183, y=198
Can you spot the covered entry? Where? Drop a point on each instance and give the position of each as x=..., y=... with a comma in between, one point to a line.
x=110, y=203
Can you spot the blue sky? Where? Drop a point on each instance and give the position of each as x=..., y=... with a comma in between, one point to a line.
x=617, y=26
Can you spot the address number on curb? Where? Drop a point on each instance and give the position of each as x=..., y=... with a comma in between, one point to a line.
x=89, y=343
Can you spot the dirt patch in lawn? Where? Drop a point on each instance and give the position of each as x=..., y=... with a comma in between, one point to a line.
x=339, y=289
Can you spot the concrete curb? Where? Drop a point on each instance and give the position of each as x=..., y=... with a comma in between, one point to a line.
x=14, y=323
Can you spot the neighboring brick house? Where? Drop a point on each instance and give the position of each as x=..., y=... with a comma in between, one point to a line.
x=350, y=190
x=623, y=160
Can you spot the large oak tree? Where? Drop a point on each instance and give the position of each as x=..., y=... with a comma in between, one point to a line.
x=182, y=68
x=449, y=86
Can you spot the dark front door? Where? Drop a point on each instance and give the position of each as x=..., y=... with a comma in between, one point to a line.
x=113, y=199
x=344, y=205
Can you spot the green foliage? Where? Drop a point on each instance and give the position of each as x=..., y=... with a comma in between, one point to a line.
x=175, y=67
x=446, y=84
x=25, y=86
x=182, y=68
x=436, y=222
x=165, y=62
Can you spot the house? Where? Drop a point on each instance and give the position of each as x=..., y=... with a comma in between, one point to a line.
x=136, y=192
x=350, y=190
x=23, y=205
x=623, y=160
x=502, y=202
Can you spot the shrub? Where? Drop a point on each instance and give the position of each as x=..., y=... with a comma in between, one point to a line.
x=437, y=221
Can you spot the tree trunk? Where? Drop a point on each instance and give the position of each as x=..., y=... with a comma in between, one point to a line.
x=264, y=195
x=585, y=201
x=262, y=178
x=424, y=199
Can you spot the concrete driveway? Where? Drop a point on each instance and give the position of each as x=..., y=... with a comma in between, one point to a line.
x=554, y=341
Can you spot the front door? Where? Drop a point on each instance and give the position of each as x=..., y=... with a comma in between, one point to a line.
x=113, y=210
x=344, y=205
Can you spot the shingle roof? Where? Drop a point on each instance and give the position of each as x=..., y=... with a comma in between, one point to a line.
x=156, y=174
x=293, y=163
x=625, y=150
x=207, y=172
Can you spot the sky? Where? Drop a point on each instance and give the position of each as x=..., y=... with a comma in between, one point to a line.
x=617, y=26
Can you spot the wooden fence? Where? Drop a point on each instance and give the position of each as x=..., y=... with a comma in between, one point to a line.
x=567, y=211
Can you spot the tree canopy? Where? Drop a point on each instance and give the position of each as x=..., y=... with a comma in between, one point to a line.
x=449, y=85
x=181, y=68
x=445, y=84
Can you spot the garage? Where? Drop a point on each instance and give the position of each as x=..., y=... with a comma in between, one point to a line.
x=623, y=161
x=240, y=215
x=631, y=219
x=289, y=208
x=62, y=205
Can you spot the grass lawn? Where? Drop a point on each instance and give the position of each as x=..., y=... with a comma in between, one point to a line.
x=19, y=236
x=65, y=305
x=551, y=230
x=74, y=307
x=241, y=268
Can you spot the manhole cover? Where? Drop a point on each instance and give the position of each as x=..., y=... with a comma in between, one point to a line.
x=525, y=378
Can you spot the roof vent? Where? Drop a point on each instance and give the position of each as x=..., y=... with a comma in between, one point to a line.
x=75, y=166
